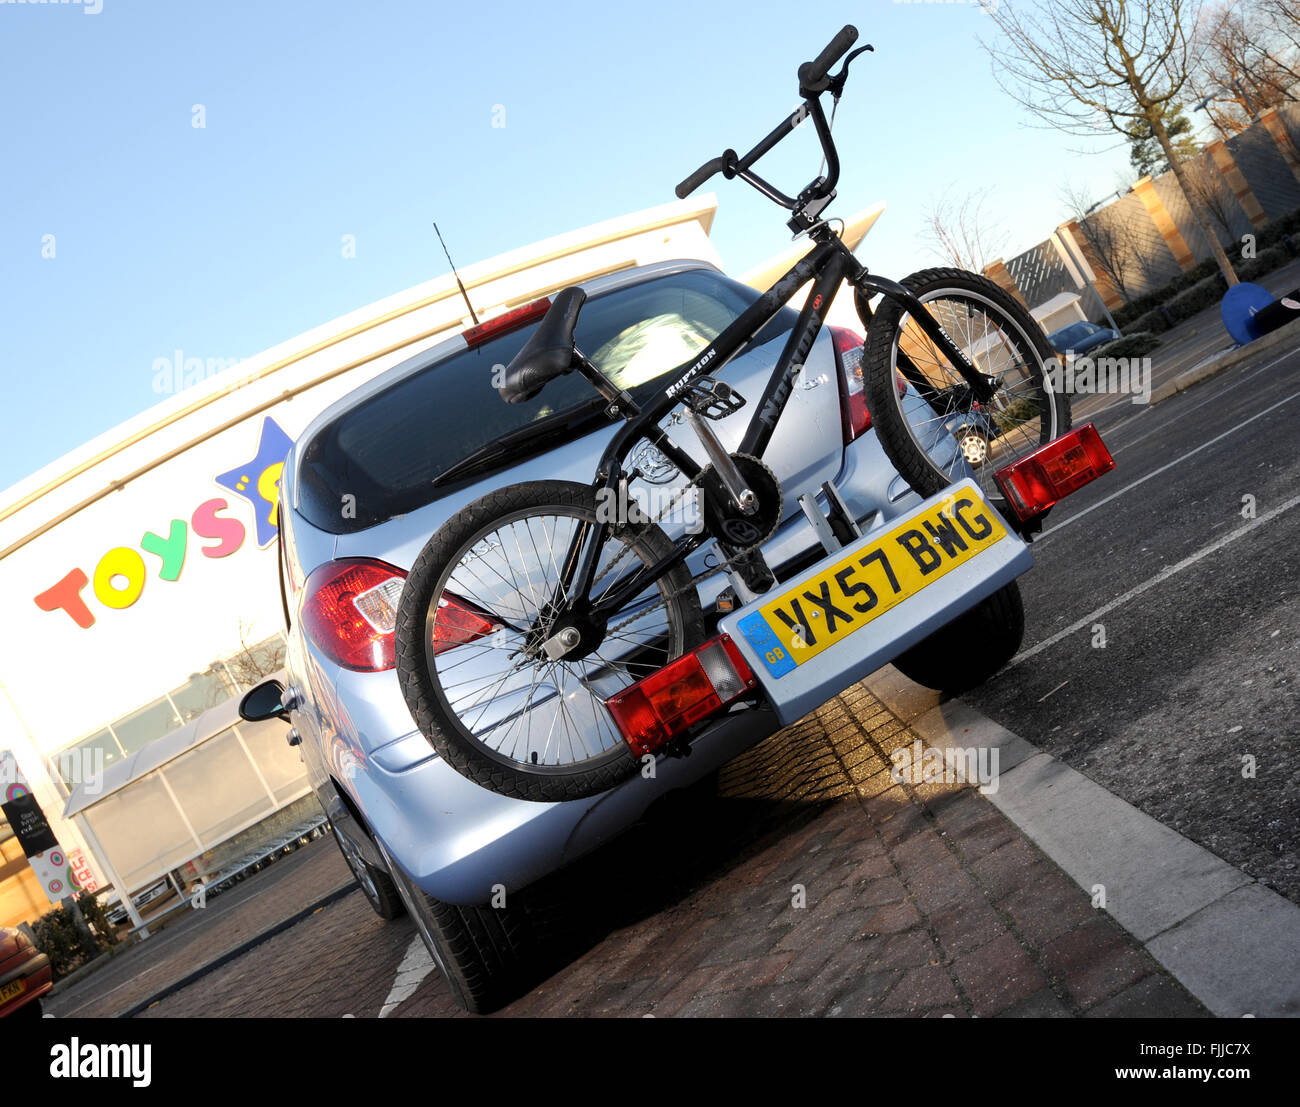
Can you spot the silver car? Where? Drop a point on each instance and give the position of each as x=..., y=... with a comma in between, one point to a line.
x=360, y=496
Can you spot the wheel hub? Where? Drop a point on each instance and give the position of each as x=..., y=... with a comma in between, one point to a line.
x=572, y=636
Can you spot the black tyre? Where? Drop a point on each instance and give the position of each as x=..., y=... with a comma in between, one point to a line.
x=966, y=652
x=917, y=430
x=375, y=884
x=473, y=619
x=488, y=956
x=28, y=1012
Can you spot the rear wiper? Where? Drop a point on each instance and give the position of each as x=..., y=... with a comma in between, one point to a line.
x=562, y=422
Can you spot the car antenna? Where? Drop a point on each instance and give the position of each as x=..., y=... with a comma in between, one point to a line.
x=455, y=274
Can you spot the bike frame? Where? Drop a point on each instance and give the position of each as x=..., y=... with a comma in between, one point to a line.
x=828, y=265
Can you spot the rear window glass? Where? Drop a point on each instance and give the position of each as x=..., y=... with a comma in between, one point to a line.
x=385, y=453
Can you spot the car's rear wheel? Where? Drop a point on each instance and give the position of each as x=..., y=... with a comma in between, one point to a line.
x=488, y=956
x=966, y=652
x=29, y=1010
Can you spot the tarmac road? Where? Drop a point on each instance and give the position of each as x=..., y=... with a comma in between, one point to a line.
x=1162, y=649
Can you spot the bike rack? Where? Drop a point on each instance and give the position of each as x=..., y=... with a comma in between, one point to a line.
x=823, y=524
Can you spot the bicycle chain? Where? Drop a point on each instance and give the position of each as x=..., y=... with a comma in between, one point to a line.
x=689, y=586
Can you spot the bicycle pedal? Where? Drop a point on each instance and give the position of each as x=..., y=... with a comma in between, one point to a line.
x=713, y=399
x=727, y=601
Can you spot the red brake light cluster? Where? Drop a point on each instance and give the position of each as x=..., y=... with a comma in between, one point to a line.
x=849, y=350
x=349, y=610
x=668, y=702
x=503, y=324
x=1046, y=476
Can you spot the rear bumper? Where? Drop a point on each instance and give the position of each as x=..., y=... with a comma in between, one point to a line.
x=458, y=841
x=793, y=690
x=39, y=976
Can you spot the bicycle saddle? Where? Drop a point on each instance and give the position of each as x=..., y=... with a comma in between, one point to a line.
x=549, y=353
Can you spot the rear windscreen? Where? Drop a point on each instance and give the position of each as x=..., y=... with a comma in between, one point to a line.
x=385, y=453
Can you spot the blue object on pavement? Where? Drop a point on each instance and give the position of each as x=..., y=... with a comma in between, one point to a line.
x=1240, y=303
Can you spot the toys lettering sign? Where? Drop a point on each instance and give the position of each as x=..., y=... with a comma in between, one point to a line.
x=120, y=575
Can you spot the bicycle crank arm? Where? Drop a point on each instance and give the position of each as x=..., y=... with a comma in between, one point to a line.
x=741, y=495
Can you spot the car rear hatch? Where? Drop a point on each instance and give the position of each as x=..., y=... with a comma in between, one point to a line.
x=368, y=471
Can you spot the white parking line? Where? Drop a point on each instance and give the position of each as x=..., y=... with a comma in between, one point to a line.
x=1216, y=395
x=415, y=966
x=1159, y=578
x=1164, y=468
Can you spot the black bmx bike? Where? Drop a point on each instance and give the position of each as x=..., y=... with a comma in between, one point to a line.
x=529, y=612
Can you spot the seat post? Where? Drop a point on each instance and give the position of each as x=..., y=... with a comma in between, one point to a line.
x=620, y=403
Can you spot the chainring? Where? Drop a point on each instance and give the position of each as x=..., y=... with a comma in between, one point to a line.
x=726, y=522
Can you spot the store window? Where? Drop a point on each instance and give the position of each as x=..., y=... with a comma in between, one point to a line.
x=202, y=692
x=74, y=761
x=221, y=682
x=256, y=663
x=137, y=730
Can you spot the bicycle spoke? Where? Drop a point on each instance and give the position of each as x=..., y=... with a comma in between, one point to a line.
x=506, y=694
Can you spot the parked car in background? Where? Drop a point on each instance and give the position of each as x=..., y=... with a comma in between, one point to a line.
x=1079, y=338
x=975, y=431
x=25, y=975
x=116, y=912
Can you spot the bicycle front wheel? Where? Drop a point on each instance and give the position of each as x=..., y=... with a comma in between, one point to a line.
x=481, y=601
x=931, y=428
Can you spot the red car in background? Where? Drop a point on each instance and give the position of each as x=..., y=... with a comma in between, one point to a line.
x=25, y=975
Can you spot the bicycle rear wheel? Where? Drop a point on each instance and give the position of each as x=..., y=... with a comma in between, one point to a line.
x=926, y=431
x=478, y=606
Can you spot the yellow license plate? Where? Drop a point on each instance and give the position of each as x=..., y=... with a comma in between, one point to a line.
x=824, y=609
x=12, y=991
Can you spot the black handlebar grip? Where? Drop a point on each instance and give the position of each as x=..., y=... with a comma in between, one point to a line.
x=812, y=75
x=705, y=171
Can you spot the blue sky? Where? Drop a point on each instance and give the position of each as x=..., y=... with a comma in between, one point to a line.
x=373, y=119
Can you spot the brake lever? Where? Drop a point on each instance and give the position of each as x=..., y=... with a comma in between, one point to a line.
x=836, y=86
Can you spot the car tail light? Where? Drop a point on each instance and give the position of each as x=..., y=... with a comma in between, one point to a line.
x=349, y=610
x=503, y=324
x=668, y=702
x=849, y=351
x=1046, y=476
x=457, y=624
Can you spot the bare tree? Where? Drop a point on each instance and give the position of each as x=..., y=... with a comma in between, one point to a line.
x=1092, y=66
x=1281, y=21
x=1212, y=193
x=960, y=233
x=255, y=660
x=1117, y=251
x=1245, y=63
x=1077, y=200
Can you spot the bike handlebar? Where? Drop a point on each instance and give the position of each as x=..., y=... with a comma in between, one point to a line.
x=813, y=75
x=705, y=171
x=813, y=81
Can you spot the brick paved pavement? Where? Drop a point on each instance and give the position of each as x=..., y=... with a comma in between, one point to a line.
x=251, y=907
x=919, y=901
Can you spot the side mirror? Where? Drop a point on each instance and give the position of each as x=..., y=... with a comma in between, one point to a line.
x=266, y=701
